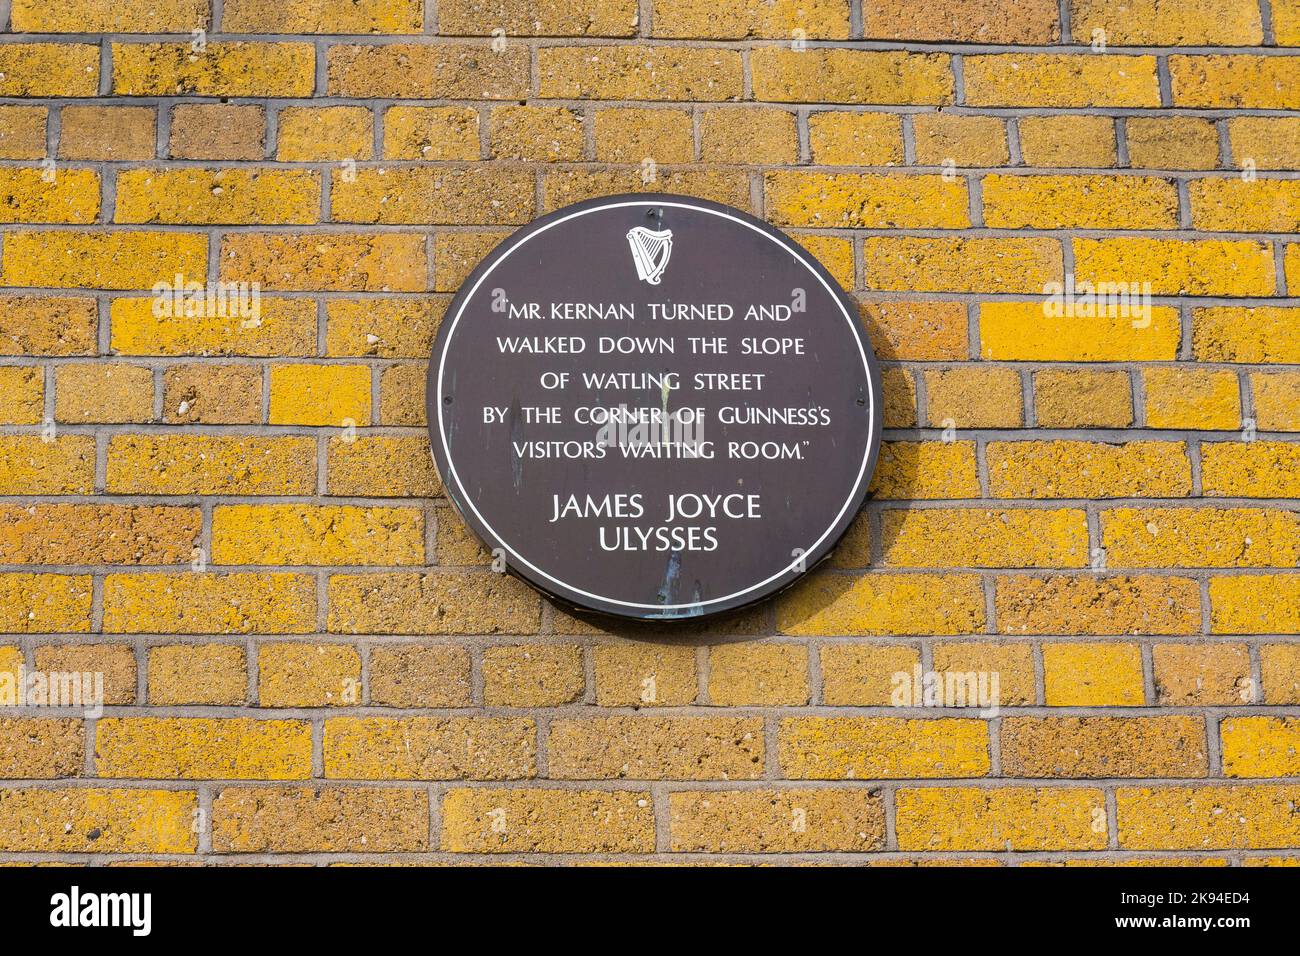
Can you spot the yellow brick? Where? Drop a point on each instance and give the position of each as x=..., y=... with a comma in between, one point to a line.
x=401, y=394
x=1172, y=746
x=97, y=534
x=71, y=196
x=656, y=748
x=1180, y=23
x=326, y=262
x=883, y=604
x=1235, y=205
x=431, y=132
x=197, y=674
x=328, y=820
x=1207, y=817
x=430, y=748
x=112, y=392
x=776, y=821
x=11, y=659
x=336, y=395
x=420, y=71
x=1024, y=331
x=455, y=254
x=532, y=675
x=1019, y=538
x=1001, y=819
x=1067, y=141
x=1172, y=142
x=978, y=21
x=834, y=253
x=49, y=69
x=223, y=69
x=748, y=135
x=632, y=134
x=323, y=16
x=1082, y=398
x=1013, y=663
x=23, y=388
x=1255, y=604
x=457, y=544
x=382, y=466
x=199, y=197
x=331, y=133
x=104, y=260
x=545, y=133
x=43, y=325
x=724, y=185
x=645, y=675
x=385, y=328
x=861, y=200
x=609, y=18
x=1192, y=398
x=854, y=549
x=1286, y=22
x=547, y=821
x=1202, y=675
x=758, y=674
x=779, y=19
x=1080, y=469
x=115, y=662
x=210, y=464
x=203, y=748
x=1277, y=400
x=1140, y=604
x=436, y=675
x=22, y=132
x=308, y=675
x=639, y=73
x=877, y=77
x=108, y=133
x=189, y=603
x=1079, y=202
x=41, y=749
x=855, y=139
x=29, y=465
x=98, y=820
x=1236, y=81
x=862, y=675
x=1280, y=668
x=847, y=748
x=1201, y=537
x=974, y=397
x=1061, y=79
x=121, y=16
x=1177, y=267
x=909, y=470
x=943, y=138
x=218, y=131
x=212, y=394
x=1093, y=675
x=1259, y=469
x=961, y=264
x=1270, y=142
x=917, y=330
x=899, y=390
x=44, y=603
x=432, y=194
x=278, y=327
x=443, y=603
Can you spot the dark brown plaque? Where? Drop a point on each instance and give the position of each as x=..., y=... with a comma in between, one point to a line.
x=654, y=406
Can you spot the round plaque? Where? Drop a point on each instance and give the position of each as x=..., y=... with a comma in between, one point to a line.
x=654, y=406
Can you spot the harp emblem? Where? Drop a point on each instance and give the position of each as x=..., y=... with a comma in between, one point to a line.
x=650, y=252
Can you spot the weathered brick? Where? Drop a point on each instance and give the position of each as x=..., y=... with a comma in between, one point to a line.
x=633, y=134
x=1183, y=23
x=1017, y=538
x=1207, y=817
x=111, y=392
x=98, y=820
x=108, y=132
x=877, y=77
x=1200, y=675
x=44, y=325
x=38, y=748
x=959, y=140
x=973, y=21
x=457, y=544
x=1140, y=604
x=758, y=674
x=336, y=395
x=1061, y=79
x=1172, y=746
x=197, y=674
x=385, y=328
x=1080, y=469
x=49, y=69
x=1013, y=663
x=238, y=68
x=1178, y=267
x=656, y=748
x=323, y=16
x=644, y=675
x=274, y=327
x=779, y=19
x=189, y=603
x=883, y=604
x=547, y=821
x=748, y=135
x=121, y=16
x=1082, y=399
x=846, y=748
x=210, y=464
x=102, y=260
x=919, y=470
x=1000, y=819
x=418, y=71
x=1259, y=469
x=1235, y=205
x=1235, y=81
x=1192, y=398
x=430, y=748
x=1093, y=675
x=860, y=200
x=916, y=330
x=898, y=388
x=532, y=675
x=199, y=196
x=44, y=603
x=431, y=132
x=382, y=467
x=862, y=675
x=217, y=131
x=335, y=262
x=1079, y=202
x=308, y=675
x=1201, y=537
x=329, y=133
x=843, y=138
x=320, y=535
x=609, y=18
x=115, y=662
x=455, y=254
x=1280, y=669
x=776, y=821
x=22, y=132
x=543, y=133
x=29, y=465
x=23, y=388
x=1269, y=142
x=97, y=534
x=961, y=264
x=199, y=748
x=212, y=394
x=441, y=603
x=1172, y=142
x=29, y=194
x=1025, y=331
x=562, y=187
x=432, y=194
x=1277, y=400
x=435, y=675
x=974, y=397
x=1255, y=604
x=639, y=73
x=325, y=820
x=1067, y=141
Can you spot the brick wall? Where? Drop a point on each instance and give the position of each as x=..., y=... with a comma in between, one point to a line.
x=305, y=656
